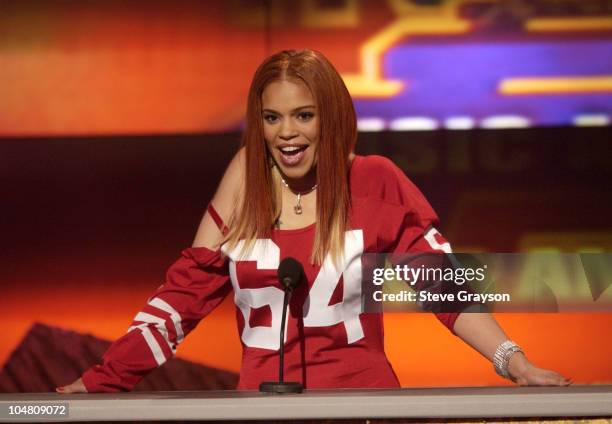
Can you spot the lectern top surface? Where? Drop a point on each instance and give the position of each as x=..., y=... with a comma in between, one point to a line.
x=225, y=394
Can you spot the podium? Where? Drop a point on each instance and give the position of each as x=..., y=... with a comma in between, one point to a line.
x=379, y=404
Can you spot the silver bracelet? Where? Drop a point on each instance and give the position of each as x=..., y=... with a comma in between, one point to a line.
x=502, y=357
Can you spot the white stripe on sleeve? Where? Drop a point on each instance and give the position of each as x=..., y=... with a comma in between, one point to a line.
x=159, y=356
x=174, y=316
x=160, y=325
x=430, y=237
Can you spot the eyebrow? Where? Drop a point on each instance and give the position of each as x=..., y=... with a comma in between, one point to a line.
x=292, y=111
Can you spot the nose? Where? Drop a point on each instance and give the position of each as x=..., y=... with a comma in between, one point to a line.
x=287, y=132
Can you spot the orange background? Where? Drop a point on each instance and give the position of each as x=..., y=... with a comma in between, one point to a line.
x=421, y=350
x=157, y=67
x=85, y=68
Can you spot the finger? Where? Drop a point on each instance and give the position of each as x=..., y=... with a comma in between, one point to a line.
x=522, y=382
x=560, y=381
x=72, y=388
x=63, y=390
x=563, y=381
x=551, y=381
x=555, y=379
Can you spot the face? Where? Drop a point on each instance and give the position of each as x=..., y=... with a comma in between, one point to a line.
x=291, y=129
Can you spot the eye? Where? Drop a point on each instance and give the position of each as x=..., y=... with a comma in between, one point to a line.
x=269, y=118
x=305, y=116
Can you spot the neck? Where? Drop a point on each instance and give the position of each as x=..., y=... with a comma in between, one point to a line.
x=304, y=184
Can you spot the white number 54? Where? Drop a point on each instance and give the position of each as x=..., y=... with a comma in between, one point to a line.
x=317, y=311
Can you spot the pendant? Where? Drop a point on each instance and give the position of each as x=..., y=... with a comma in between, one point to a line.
x=298, y=208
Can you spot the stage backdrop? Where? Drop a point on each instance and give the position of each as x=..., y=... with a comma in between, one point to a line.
x=111, y=67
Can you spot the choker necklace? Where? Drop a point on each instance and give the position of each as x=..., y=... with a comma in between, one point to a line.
x=298, y=207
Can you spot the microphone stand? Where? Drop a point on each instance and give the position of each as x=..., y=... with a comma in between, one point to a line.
x=282, y=386
x=281, y=359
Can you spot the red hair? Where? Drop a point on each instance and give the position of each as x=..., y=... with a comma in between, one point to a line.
x=337, y=138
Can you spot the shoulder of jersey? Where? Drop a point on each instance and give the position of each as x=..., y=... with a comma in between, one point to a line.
x=382, y=188
x=375, y=163
x=376, y=176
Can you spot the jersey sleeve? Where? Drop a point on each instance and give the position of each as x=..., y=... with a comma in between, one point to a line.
x=410, y=224
x=195, y=284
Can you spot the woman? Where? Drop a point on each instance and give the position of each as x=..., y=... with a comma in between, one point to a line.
x=301, y=193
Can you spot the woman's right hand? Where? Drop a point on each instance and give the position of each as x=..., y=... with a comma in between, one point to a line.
x=76, y=387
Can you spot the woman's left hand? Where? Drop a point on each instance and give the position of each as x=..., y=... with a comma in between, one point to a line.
x=524, y=373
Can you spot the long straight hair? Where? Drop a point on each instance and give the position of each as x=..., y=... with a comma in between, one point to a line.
x=337, y=137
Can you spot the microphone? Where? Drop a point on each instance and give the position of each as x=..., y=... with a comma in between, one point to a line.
x=290, y=274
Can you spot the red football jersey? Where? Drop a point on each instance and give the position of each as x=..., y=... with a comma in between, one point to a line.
x=329, y=342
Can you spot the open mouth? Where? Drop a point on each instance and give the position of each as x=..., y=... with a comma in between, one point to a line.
x=292, y=150
x=292, y=155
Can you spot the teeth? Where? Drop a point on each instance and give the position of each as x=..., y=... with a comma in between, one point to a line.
x=290, y=149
